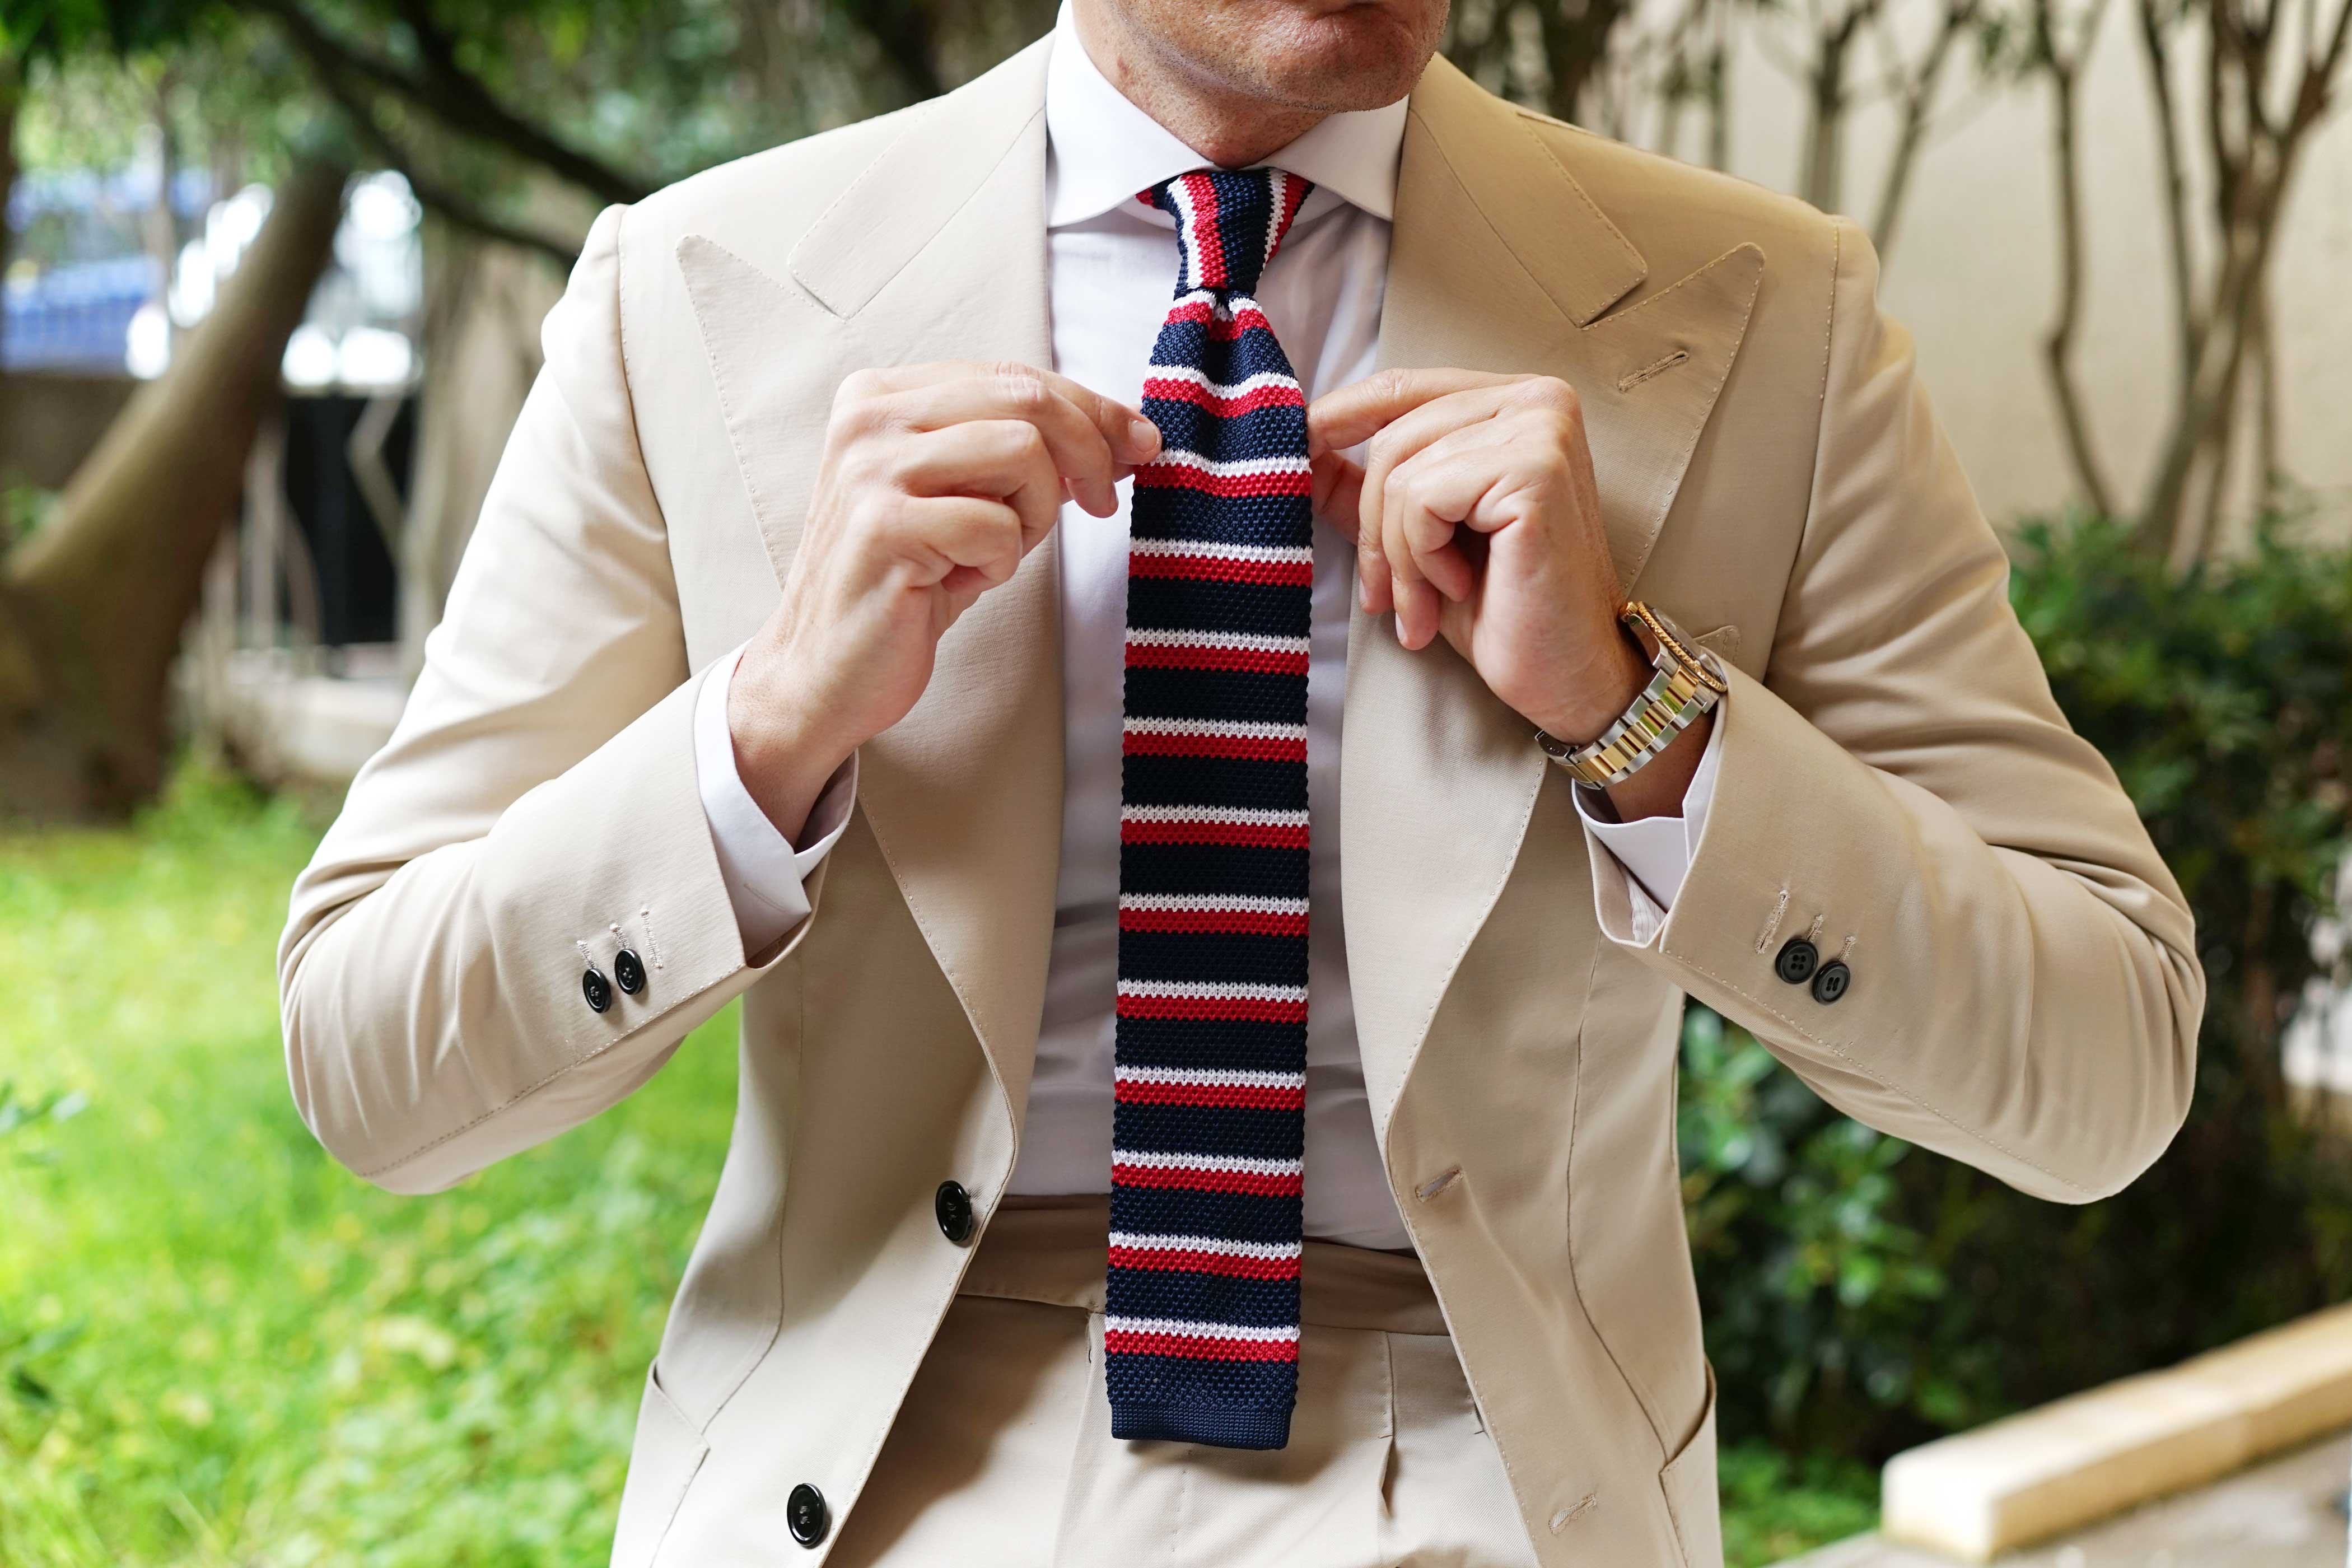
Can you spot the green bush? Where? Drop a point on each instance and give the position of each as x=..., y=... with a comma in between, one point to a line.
x=1862, y=1296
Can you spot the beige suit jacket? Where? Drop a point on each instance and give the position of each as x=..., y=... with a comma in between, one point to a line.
x=1894, y=779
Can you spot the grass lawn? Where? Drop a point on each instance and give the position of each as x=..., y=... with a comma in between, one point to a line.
x=216, y=1348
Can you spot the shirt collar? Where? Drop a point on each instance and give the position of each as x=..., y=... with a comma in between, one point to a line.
x=1104, y=149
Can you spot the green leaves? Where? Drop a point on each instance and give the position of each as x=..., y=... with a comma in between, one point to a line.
x=1861, y=1296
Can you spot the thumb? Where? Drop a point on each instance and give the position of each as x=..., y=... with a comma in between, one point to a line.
x=1338, y=488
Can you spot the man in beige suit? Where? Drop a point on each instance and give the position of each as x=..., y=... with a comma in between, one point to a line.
x=785, y=665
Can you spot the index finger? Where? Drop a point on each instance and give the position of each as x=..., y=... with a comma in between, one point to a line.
x=1094, y=441
x=1132, y=438
x=1355, y=413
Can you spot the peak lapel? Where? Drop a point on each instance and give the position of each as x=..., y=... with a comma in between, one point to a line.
x=1499, y=260
x=937, y=251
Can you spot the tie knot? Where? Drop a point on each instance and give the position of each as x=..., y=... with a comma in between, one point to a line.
x=1229, y=222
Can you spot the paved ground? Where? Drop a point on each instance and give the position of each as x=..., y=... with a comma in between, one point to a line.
x=2287, y=1512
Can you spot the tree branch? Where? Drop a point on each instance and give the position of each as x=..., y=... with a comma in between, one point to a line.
x=2156, y=50
x=472, y=106
x=2058, y=346
x=458, y=100
x=444, y=201
x=903, y=32
x=1916, y=91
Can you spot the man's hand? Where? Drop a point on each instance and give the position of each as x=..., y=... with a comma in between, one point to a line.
x=936, y=481
x=1476, y=518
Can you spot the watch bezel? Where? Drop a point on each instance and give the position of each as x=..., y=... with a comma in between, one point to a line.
x=1692, y=654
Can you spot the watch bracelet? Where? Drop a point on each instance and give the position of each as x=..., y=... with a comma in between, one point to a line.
x=1647, y=728
x=1670, y=703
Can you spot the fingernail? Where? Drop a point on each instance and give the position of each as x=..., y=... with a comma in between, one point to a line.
x=1144, y=435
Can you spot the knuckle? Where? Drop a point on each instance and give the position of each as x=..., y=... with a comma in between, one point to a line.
x=1393, y=384
x=1022, y=388
x=860, y=406
x=1557, y=401
x=1027, y=443
x=1554, y=392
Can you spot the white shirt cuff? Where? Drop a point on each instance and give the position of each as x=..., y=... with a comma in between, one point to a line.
x=764, y=873
x=1654, y=853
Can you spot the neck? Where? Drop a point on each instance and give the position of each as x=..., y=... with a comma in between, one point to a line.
x=1227, y=127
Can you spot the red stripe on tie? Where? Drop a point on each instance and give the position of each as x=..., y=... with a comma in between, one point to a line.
x=1215, y=1009
x=1249, y=1181
x=1253, y=921
x=1226, y=487
x=1248, y=319
x=1170, y=1259
x=1208, y=249
x=1265, y=834
x=1229, y=1096
x=1224, y=568
x=1294, y=193
x=1239, y=324
x=1121, y=1343
x=1193, y=392
x=1257, y=748
x=1263, y=661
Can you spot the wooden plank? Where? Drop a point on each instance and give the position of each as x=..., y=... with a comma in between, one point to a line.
x=2029, y=1476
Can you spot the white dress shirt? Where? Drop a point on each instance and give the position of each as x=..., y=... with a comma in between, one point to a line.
x=1111, y=265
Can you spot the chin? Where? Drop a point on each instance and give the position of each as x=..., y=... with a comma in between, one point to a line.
x=1331, y=56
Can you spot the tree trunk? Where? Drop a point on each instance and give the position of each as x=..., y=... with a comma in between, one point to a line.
x=2058, y=346
x=1919, y=103
x=2207, y=408
x=1822, y=177
x=93, y=605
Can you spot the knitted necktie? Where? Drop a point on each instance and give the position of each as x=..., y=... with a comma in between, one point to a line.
x=1201, y=1326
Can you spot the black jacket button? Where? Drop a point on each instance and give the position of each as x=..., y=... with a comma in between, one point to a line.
x=1830, y=982
x=629, y=971
x=805, y=1515
x=596, y=988
x=1798, y=959
x=952, y=1205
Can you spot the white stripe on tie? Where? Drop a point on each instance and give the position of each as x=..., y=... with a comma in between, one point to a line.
x=1226, y=390
x=1216, y=1245
x=1237, y=816
x=1211, y=904
x=1232, y=730
x=1212, y=990
x=1215, y=549
x=1236, y=467
x=1237, y=1164
x=1156, y=636
x=1194, y=1328
x=1213, y=1078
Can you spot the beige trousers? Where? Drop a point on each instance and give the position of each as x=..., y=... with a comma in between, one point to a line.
x=1002, y=1454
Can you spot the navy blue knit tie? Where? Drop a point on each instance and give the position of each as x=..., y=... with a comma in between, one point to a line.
x=1201, y=1332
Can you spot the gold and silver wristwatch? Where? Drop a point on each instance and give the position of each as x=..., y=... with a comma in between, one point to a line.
x=1689, y=681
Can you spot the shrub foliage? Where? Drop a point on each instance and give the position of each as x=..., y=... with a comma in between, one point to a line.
x=1861, y=1295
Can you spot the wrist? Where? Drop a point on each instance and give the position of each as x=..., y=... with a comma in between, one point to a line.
x=1600, y=696
x=783, y=753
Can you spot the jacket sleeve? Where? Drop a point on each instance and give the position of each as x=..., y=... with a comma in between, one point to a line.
x=535, y=813
x=1901, y=788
